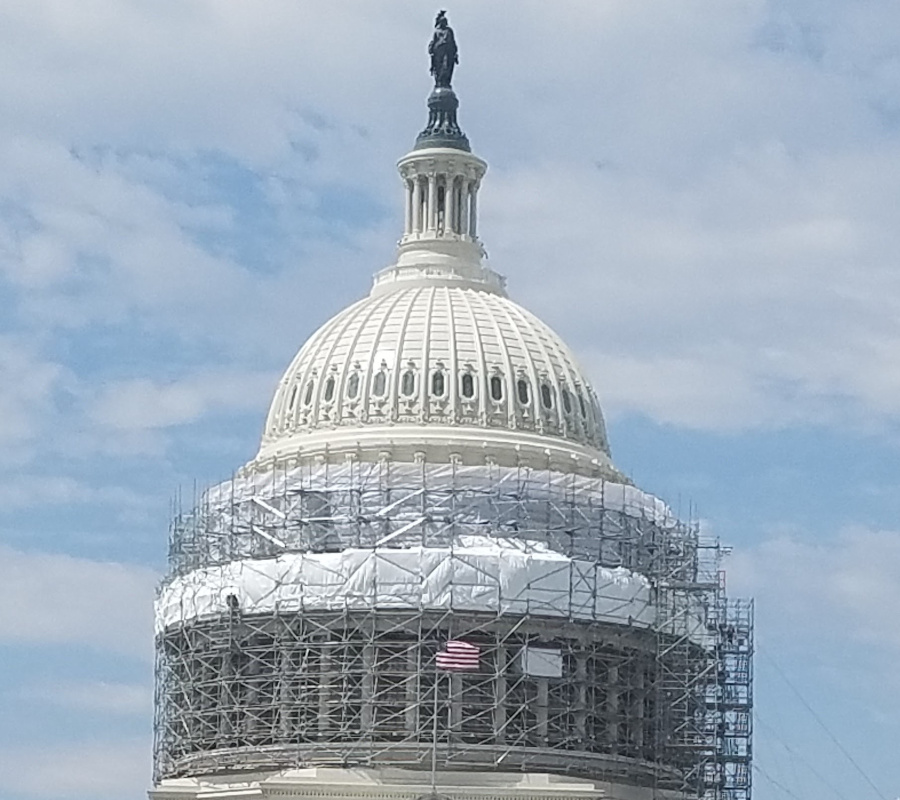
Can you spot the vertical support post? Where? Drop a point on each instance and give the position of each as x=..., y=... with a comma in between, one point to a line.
x=612, y=709
x=500, y=695
x=541, y=709
x=417, y=205
x=456, y=715
x=431, y=211
x=463, y=207
x=636, y=712
x=411, y=714
x=368, y=691
x=581, y=698
x=473, y=210
x=325, y=672
x=408, y=216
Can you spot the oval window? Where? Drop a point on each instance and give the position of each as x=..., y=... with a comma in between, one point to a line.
x=293, y=398
x=353, y=386
x=581, y=404
x=307, y=398
x=567, y=401
x=329, y=389
x=468, y=385
x=546, y=396
x=437, y=384
x=496, y=388
x=522, y=390
x=408, y=384
x=379, y=384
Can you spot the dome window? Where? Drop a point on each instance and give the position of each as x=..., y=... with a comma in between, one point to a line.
x=546, y=396
x=307, y=397
x=437, y=384
x=581, y=404
x=496, y=388
x=522, y=391
x=467, y=386
x=567, y=401
x=408, y=383
x=379, y=384
x=329, y=389
x=353, y=386
x=293, y=398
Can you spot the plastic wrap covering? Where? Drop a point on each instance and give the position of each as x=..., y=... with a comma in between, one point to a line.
x=331, y=508
x=479, y=575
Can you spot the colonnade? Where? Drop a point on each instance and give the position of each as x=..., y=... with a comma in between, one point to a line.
x=438, y=203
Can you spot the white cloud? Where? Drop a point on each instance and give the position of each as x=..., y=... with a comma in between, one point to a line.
x=146, y=404
x=27, y=384
x=101, y=697
x=848, y=586
x=58, y=599
x=113, y=769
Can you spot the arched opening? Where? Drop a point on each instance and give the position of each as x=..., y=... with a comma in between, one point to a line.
x=496, y=388
x=546, y=396
x=408, y=383
x=522, y=391
x=437, y=384
x=353, y=386
x=467, y=386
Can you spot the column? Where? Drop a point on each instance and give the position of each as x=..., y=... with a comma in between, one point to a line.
x=432, y=202
x=325, y=671
x=636, y=712
x=612, y=708
x=417, y=205
x=463, y=208
x=452, y=199
x=581, y=699
x=541, y=708
x=368, y=691
x=456, y=706
x=413, y=670
x=473, y=210
x=408, y=218
x=500, y=696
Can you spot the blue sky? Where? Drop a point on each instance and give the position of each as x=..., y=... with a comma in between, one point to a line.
x=701, y=198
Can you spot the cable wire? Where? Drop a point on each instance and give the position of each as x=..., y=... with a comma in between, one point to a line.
x=775, y=783
x=797, y=755
x=822, y=724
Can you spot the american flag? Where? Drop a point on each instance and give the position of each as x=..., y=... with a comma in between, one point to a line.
x=459, y=656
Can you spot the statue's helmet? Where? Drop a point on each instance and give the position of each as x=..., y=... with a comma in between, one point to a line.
x=441, y=19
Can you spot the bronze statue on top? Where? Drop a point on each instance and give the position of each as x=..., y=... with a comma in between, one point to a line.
x=442, y=129
x=443, y=51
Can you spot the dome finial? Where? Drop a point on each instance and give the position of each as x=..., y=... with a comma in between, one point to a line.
x=442, y=129
x=443, y=51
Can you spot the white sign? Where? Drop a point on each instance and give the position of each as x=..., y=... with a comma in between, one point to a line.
x=541, y=662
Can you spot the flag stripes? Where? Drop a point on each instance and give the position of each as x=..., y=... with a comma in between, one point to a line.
x=460, y=656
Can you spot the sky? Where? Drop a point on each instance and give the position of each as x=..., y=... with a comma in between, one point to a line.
x=700, y=197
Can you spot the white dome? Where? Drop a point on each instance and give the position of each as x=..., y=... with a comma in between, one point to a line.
x=437, y=362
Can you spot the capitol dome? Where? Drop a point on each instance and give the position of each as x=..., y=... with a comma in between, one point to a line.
x=432, y=561
x=437, y=362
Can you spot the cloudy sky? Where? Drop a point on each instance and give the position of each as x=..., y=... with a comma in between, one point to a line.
x=701, y=197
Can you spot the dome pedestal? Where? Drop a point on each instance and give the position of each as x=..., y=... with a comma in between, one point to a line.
x=390, y=784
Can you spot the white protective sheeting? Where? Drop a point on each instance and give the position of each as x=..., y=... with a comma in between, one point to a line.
x=480, y=574
x=620, y=497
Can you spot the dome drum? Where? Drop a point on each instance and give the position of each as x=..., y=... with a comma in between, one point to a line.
x=357, y=674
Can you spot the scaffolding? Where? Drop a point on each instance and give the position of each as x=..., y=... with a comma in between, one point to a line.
x=305, y=606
